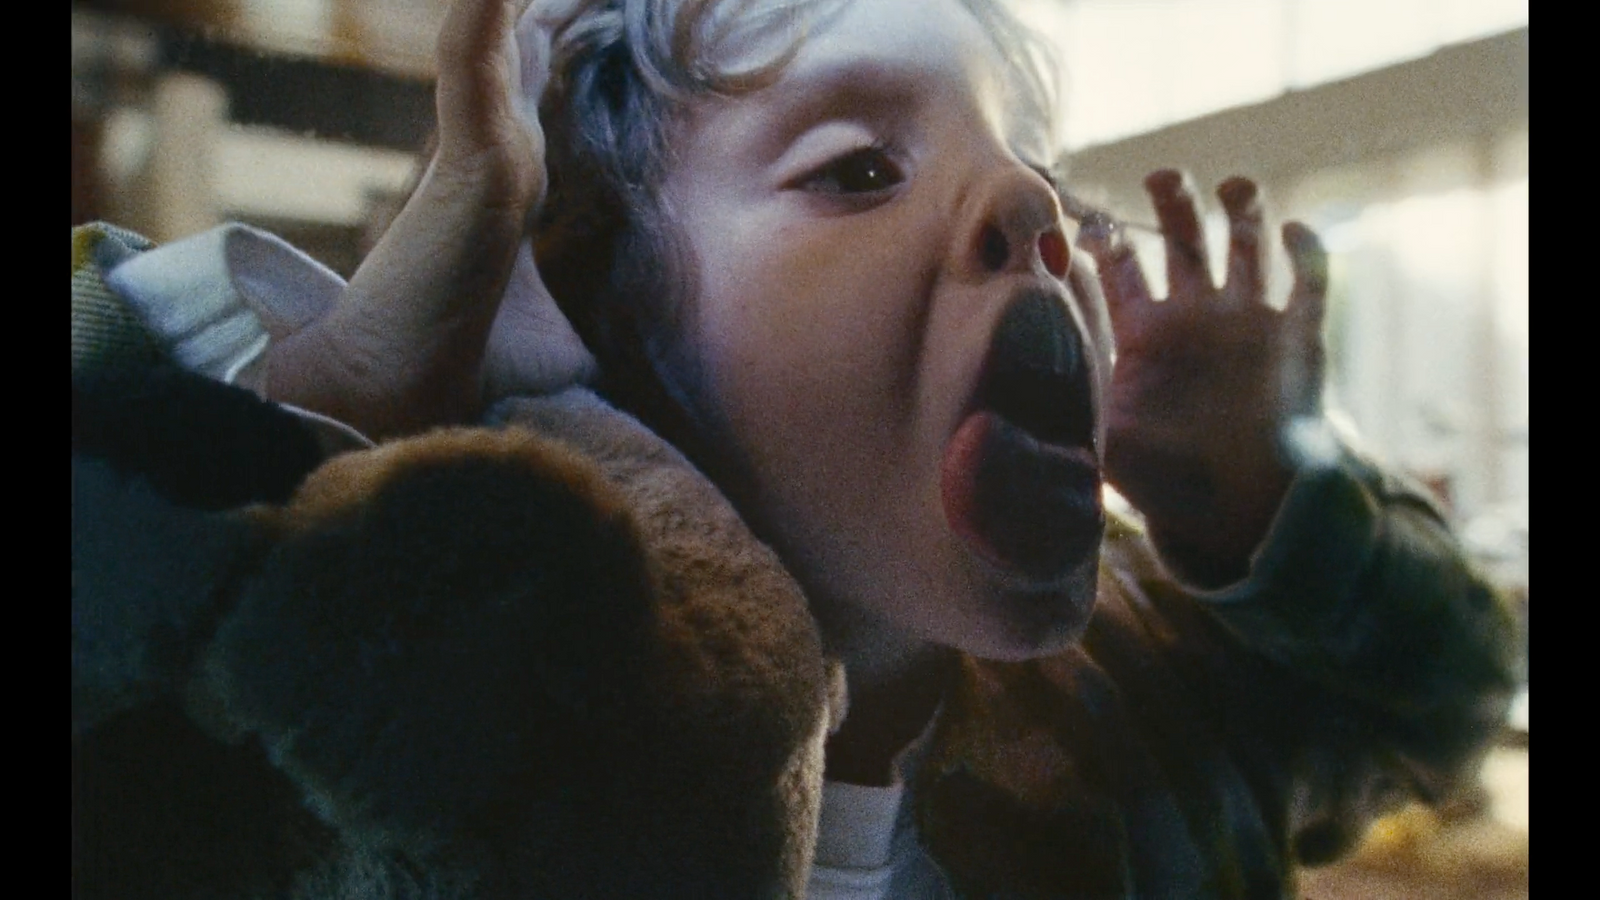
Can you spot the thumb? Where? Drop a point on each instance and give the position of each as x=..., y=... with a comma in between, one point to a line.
x=532, y=347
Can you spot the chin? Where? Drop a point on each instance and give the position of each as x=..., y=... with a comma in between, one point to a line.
x=1017, y=619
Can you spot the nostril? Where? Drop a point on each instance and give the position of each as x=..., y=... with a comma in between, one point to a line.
x=993, y=249
x=1055, y=253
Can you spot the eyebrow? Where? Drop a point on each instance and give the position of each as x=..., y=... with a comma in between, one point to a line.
x=857, y=88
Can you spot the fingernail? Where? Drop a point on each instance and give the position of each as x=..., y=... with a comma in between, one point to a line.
x=1239, y=196
x=1166, y=181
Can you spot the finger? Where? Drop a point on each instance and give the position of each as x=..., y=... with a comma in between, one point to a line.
x=1246, y=250
x=531, y=46
x=1309, y=262
x=1121, y=279
x=479, y=78
x=533, y=58
x=1188, y=271
x=532, y=350
x=1305, y=362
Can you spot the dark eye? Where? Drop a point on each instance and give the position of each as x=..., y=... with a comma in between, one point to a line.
x=863, y=171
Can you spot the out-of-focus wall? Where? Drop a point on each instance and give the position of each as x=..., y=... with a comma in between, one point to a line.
x=302, y=117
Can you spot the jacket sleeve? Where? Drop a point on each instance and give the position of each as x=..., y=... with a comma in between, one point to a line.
x=1363, y=661
x=1197, y=744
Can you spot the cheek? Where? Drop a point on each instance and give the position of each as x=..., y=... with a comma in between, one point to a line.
x=812, y=330
x=808, y=350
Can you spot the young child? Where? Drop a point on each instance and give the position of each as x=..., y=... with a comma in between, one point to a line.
x=820, y=248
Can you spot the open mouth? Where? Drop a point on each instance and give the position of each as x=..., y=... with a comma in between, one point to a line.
x=1021, y=479
x=1037, y=373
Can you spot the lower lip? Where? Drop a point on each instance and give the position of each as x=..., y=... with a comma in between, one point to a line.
x=1030, y=508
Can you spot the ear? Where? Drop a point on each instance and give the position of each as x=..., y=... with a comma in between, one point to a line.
x=533, y=349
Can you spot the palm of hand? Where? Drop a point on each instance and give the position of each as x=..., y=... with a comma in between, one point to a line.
x=1207, y=382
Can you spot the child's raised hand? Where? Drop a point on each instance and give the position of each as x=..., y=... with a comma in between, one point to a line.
x=1207, y=384
x=403, y=349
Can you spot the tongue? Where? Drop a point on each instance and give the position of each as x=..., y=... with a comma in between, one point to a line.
x=1030, y=507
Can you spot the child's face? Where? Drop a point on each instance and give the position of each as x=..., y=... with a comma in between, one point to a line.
x=861, y=229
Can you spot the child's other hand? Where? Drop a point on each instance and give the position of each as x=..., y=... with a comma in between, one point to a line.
x=1207, y=383
x=403, y=349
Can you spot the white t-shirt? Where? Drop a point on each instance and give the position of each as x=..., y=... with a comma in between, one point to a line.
x=867, y=848
x=867, y=844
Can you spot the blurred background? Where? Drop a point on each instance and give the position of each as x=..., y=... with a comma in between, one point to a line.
x=1398, y=129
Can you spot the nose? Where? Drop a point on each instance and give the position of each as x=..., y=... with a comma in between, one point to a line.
x=1015, y=226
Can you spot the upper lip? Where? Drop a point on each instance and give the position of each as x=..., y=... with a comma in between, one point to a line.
x=1037, y=372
